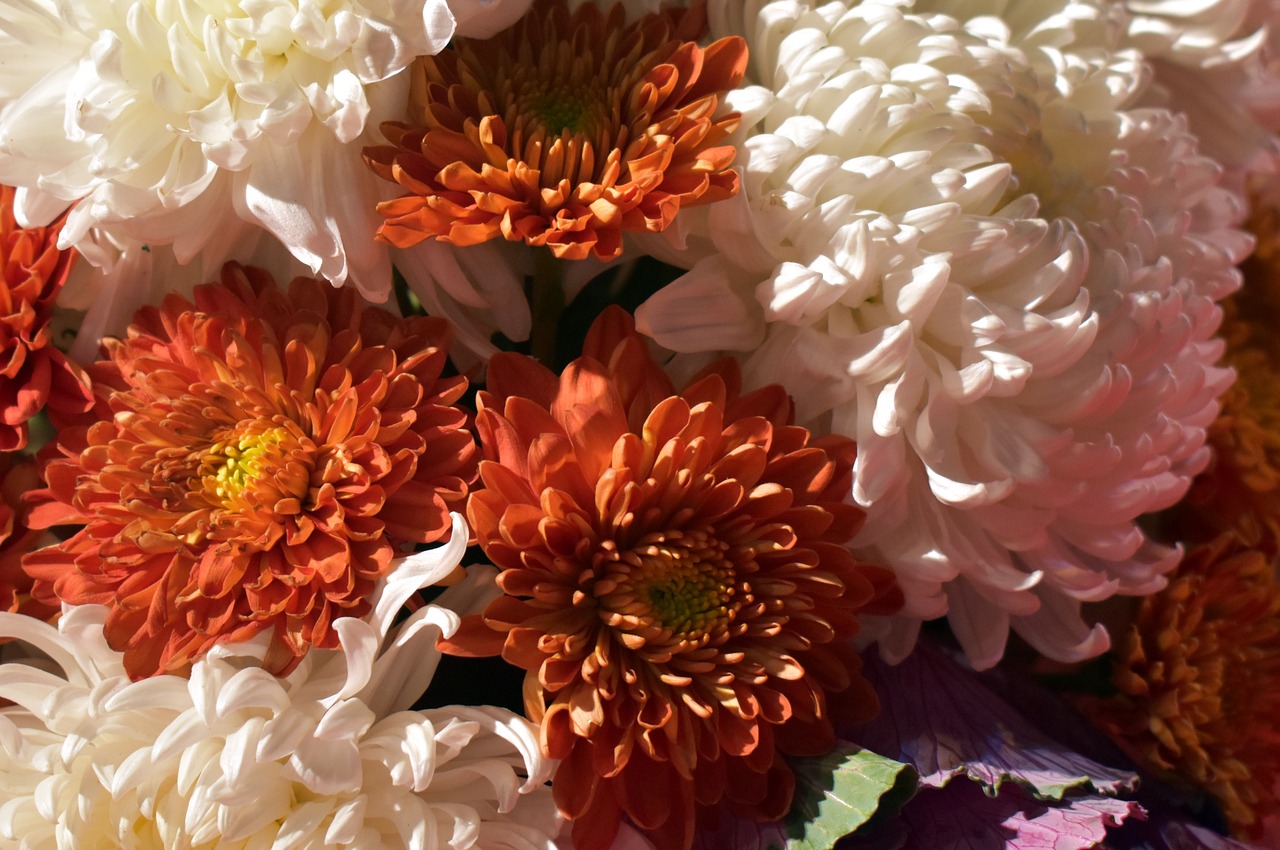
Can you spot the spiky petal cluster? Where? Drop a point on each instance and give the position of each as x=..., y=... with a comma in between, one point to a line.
x=675, y=583
x=260, y=457
x=32, y=371
x=1199, y=681
x=234, y=758
x=564, y=131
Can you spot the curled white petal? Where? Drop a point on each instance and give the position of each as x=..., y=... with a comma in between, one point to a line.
x=138, y=111
x=242, y=759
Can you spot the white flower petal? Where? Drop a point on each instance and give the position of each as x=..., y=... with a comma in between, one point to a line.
x=996, y=266
x=486, y=18
x=242, y=759
x=157, y=99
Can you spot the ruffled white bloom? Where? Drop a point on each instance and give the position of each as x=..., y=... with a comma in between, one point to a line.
x=960, y=243
x=234, y=758
x=188, y=123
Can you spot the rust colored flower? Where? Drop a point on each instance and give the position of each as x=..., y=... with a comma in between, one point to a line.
x=32, y=372
x=563, y=131
x=259, y=458
x=18, y=592
x=676, y=584
x=1198, y=677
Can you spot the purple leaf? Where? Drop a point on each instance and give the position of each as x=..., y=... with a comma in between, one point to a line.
x=961, y=817
x=941, y=718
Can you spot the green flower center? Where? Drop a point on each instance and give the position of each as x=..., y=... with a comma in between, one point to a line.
x=688, y=596
x=562, y=110
x=680, y=584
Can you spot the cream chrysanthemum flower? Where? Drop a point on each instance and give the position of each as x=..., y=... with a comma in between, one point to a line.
x=234, y=758
x=960, y=243
x=191, y=123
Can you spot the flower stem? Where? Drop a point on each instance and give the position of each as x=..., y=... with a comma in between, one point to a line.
x=547, y=303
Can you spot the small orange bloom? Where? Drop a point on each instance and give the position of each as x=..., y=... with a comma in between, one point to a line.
x=258, y=460
x=1199, y=681
x=32, y=372
x=676, y=584
x=563, y=131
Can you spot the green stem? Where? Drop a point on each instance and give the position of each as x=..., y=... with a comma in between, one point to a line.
x=547, y=303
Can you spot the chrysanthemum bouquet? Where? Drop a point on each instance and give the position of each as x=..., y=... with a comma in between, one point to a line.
x=642, y=425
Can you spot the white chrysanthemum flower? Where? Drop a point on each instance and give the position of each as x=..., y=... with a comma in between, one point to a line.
x=186, y=123
x=234, y=758
x=959, y=243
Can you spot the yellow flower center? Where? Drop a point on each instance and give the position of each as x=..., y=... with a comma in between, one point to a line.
x=242, y=462
x=253, y=467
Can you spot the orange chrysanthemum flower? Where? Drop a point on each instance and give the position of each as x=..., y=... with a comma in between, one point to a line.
x=259, y=458
x=18, y=592
x=563, y=131
x=1199, y=681
x=32, y=372
x=676, y=584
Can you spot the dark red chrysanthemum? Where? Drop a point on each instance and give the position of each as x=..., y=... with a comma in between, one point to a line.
x=32, y=372
x=259, y=458
x=564, y=131
x=18, y=592
x=676, y=584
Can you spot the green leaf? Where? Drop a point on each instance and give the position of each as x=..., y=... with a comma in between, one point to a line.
x=838, y=793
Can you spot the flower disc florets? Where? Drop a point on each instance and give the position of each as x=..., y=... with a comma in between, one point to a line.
x=259, y=458
x=564, y=131
x=675, y=584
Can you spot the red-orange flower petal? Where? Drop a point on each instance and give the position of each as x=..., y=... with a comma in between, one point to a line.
x=563, y=131
x=259, y=458
x=676, y=584
x=32, y=372
x=18, y=591
x=1198, y=679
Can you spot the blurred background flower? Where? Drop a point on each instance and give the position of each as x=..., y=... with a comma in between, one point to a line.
x=33, y=372
x=1197, y=678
